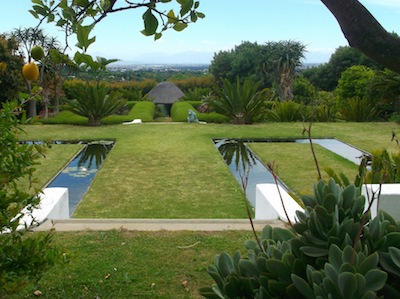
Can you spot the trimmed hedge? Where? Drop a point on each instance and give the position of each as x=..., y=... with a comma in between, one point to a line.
x=65, y=117
x=143, y=110
x=179, y=113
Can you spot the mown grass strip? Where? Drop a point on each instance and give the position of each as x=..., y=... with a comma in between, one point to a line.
x=174, y=171
x=295, y=165
x=118, y=264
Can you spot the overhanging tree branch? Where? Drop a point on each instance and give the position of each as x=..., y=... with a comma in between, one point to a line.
x=365, y=33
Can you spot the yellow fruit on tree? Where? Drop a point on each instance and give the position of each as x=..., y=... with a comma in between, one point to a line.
x=37, y=52
x=30, y=71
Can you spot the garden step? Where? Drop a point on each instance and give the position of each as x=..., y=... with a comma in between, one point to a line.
x=156, y=224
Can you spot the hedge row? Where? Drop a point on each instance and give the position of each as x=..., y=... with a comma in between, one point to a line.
x=180, y=110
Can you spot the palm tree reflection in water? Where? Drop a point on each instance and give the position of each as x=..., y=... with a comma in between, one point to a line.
x=245, y=166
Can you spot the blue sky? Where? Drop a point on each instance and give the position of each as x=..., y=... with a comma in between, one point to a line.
x=227, y=23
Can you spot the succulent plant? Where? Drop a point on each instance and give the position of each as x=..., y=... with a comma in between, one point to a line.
x=335, y=250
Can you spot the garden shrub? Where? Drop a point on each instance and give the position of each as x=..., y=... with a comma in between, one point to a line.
x=94, y=101
x=144, y=111
x=67, y=118
x=204, y=82
x=213, y=117
x=335, y=250
x=129, y=90
x=242, y=102
x=179, y=113
x=195, y=104
x=287, y=111
x=196, y=94
x=359, y=110
x=24, y=257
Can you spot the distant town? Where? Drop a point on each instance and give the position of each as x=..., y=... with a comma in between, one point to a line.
x=123, y=66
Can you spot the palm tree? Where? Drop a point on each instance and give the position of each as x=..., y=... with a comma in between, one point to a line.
x=284, y=57
x=94, y=102
x=241, y=102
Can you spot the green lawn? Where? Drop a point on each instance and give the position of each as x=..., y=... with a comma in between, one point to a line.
x=168, y=171
x=295, y=164
x=119, y=265
x=174, y=170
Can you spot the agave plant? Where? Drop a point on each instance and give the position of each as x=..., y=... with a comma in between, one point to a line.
x=241, y=102
x=94, y=102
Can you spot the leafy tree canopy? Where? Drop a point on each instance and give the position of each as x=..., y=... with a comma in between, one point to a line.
x=10, y=68
x=326, y=76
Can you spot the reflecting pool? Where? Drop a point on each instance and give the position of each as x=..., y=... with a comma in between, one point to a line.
x=79, y=173
x=249, y=171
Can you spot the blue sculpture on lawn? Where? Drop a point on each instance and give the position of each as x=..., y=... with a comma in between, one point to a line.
x=192, y=117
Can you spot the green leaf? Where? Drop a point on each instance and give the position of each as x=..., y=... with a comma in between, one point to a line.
x=157, y=36
x=186, y=7
x=208, y=292
x=231, y=288
x=213, y=272
x=193, y=16
x=395, y=255
x=302, y=286
x=361, y=284
x=82, y=35
x=34, y=13
x=266, y=233
x=329, y=203
x=171, y=17
x=247, y=268
x=369, y=295
x=225, y=264
x=180, y=26
x=376, y=279
x=369, y=263
x=277, y=268
x=150, y=22
x=347, y=284
x=314, y=251
x=331, y=272
x=282, y=234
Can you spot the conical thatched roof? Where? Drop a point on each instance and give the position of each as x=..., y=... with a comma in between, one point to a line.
x=165, y=93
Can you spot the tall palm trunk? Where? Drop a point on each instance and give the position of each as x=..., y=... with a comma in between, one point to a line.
x=285, y=86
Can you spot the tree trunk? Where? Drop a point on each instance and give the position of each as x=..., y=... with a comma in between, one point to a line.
x=57, y=93
x=32, y=110
x=364, y=33
x=46, y=101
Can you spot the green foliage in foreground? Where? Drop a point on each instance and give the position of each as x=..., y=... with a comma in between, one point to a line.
x=335, y=250
x=23, y=257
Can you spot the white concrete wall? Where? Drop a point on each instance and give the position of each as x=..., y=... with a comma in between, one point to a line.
x=389, y=199
x=54, y=204
x=269, y=204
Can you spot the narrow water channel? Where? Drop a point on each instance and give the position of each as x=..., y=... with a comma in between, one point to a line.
x=246, y=167
x=79, y=173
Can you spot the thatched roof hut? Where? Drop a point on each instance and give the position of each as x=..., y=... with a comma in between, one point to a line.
x=165, y=93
